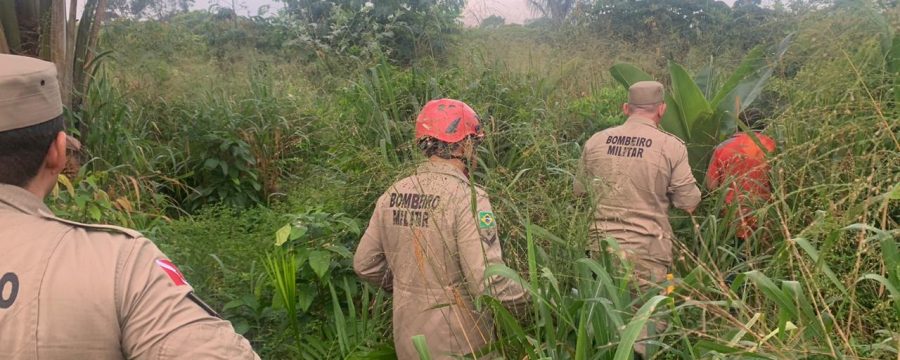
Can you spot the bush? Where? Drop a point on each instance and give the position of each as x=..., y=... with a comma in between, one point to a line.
x=400, y=30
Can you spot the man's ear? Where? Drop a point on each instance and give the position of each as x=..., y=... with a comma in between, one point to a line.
x=626, y=110
x=55, y=160
x=662, y=109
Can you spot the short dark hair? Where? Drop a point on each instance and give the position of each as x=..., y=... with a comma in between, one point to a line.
x=434, y=147
x=22, y=151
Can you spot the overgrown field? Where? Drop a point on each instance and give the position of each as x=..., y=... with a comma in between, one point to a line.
x=256, y=167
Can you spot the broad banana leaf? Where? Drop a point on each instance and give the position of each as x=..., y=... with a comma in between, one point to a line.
x=692, y=106
x=625, y=74
x=746, y=84
x=705, y=135
x=671, y=121
x=707, y=81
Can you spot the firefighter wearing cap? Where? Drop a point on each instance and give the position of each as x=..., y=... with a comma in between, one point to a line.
x=740, y=163
x=636, y=173
x=431, y=238
x=79, y=291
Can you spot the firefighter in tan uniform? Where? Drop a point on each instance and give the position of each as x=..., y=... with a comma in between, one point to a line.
x=636, y=172
x=431, y=238
x=77, y=291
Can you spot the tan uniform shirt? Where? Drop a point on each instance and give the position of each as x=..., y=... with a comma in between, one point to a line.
x=636, y=172
x=431, y=237
x=75, y=291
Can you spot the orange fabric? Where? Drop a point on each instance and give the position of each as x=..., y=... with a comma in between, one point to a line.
x=741, y=164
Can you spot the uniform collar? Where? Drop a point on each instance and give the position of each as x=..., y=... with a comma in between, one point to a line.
x=21, y=200
x=442, y=168
x=641, y=120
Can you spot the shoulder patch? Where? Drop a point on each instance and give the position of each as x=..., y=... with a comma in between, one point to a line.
x=486, y=220
x=96, y=227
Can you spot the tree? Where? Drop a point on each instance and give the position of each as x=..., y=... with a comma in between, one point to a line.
x=158, y=9
x=402, y=30
x=40, y=29
x=492, y=22
x=555, y=10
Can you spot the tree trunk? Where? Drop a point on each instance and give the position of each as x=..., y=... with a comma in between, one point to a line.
x=93, y=42
x=58, y=47
x=10, y=22
x=4, y=46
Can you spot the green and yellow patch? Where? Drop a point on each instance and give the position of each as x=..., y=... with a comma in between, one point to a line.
x=486, y=220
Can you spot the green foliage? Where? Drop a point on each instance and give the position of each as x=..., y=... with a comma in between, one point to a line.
x=555, y=10
x=893, y=59
x=493, y=21
x=39, y=29
x=400, y=30
x=704, y=117
x=225, y=172
x=680, y=24
x=155, y=9
x=815, y=280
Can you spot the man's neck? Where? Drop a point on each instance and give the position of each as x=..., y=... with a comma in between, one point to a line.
x=456, y=163
x=40, y=186
x=653, y=119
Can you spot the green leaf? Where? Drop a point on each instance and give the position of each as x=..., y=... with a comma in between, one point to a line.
x=320, y=261
x=94, y=212
x=724, y=349
x=504, y=271
x=281, y=236
x=582, y=340
x=773, y=293
x=894, y=67
x=241, y=326
x=236, y=303
x=671, y=120
x=752, y=63
x=627, y=74
x=298, y=232
x=814, y=255
x=895, y=293
x=306, y=293
x=704, y=138
x=894, y=194
x=626, y=343
x=691, y=103
x=211, y=163
x=421, y=347
x=340, y=250
x=706, y=80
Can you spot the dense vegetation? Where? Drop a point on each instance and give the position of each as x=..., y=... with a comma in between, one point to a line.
x=252, y=149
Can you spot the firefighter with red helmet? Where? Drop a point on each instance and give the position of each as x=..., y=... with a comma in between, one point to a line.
x=431, y=238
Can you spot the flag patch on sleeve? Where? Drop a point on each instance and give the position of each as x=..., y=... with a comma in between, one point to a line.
x=486, y=220
x=172, y=271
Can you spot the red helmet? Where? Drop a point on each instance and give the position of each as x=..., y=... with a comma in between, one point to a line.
x=447, y=120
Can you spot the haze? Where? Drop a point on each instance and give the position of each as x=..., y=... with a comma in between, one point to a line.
x=514, y=11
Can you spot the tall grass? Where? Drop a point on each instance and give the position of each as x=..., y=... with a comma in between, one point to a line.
x=819, y=279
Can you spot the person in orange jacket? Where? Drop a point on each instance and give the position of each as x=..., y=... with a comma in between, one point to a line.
x=741, y=164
